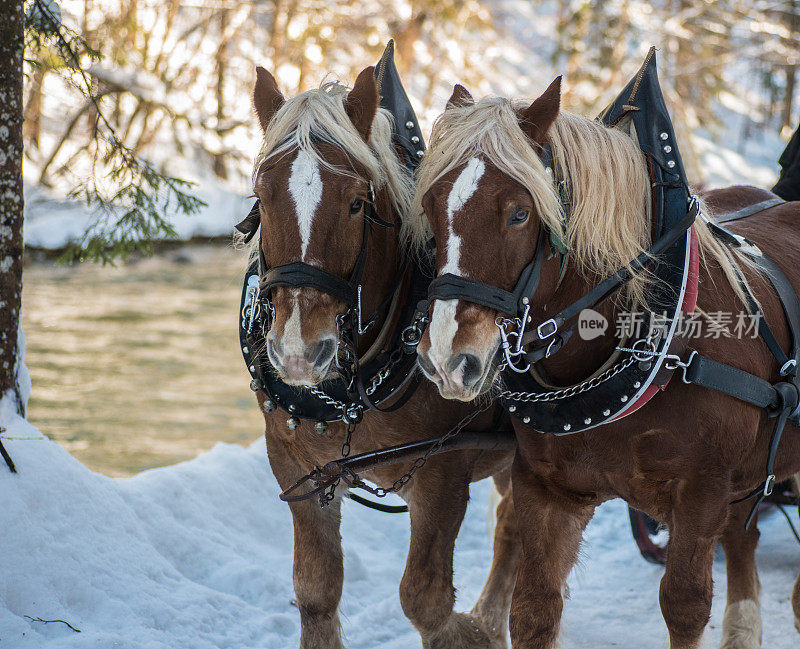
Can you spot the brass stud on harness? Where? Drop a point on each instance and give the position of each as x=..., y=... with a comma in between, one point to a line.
x=526, y=420
x=409, y=125
x=512, y=408
x=664, y=136
x=252, y=368
x=269, y=406
x=637, y=385
x=321, y=427
x=567, y=427
x=255, y=386
x=587, y=421
x=246, y=349
x=606, y=412
x=293, y=423
x=415, y=140
x=623, y=398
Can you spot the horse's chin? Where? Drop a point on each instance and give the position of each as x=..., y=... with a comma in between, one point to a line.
x=313, y=381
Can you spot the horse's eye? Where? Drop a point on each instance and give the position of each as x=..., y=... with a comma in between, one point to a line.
x=519, y=216
x=356, y=205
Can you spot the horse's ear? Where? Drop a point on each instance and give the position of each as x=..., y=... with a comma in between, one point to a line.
x=460, y=97
x=362, y=102
x=267, y=99
x=537, y=118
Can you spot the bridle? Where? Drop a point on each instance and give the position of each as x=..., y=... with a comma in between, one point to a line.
x=549, y=336
x=351, y=323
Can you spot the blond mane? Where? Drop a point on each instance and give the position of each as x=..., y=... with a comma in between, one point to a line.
x=320, y=114
x=606, y=185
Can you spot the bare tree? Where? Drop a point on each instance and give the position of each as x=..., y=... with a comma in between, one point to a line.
x=11, y=198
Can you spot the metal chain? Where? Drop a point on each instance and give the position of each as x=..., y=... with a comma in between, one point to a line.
x=326, y=496
x=351, y=428
x=554, y=395
x=354, y=481
x=323, y=396
x=385, y=371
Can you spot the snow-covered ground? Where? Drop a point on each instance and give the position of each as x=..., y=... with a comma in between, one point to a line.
x=198, y=556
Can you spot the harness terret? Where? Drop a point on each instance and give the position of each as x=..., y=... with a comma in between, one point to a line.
x=390, y=372
x=644, y=362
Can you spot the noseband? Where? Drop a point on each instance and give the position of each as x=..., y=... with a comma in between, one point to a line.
x=299, y=274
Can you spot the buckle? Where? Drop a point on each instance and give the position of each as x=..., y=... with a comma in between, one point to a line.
x=769, y=484
x=546, y=329
x=788, y=367
x=556, y=343
x=673, y=362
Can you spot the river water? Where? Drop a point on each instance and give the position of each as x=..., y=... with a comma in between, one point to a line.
x=138, y=366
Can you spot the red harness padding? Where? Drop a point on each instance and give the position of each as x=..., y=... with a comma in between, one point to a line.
x=687, y=307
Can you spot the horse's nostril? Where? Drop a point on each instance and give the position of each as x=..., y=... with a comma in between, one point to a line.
x=275, y=347
x=321, y=353
x=471, y=368
x=425, y=364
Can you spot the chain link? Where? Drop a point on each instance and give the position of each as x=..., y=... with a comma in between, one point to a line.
x=555, y=395
x=352, y=480
x=385, y=371
x=323, y=396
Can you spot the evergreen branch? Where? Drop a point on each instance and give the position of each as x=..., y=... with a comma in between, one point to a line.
x=133, y=213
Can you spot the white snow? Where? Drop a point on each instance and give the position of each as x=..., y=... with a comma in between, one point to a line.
x=198, y=556
x=51, y=222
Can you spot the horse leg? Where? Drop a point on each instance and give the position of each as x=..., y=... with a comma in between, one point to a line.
x=698, y=517
x=551, y=528
x=494, y=602
x=741, y=625
x=796, y=603
x=318, y=569
x=437, y=501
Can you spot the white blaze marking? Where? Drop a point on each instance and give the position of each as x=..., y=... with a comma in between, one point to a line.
x=443, y=321
x=305, y=186
x=292, y=336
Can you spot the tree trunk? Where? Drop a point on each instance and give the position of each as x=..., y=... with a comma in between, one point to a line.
x=788, y=98
x=222, y=66
x=33, y=108
x=791, y=70
x=11, y=198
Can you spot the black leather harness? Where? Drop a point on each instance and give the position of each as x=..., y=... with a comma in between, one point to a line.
x=391, y=373
x=608, y=395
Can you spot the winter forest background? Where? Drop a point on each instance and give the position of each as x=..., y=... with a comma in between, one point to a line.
x=168, y=85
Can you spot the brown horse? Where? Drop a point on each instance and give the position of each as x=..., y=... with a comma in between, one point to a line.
x=320, y=152
x=685, y=455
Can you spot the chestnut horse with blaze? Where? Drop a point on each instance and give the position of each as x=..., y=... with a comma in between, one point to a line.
x=687, y=454
x=320, y=153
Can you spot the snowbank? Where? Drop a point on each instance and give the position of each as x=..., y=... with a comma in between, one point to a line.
x=52, y=221
x=198, y=556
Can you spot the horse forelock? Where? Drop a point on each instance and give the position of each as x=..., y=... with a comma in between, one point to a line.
x=603, y=207
x=318, y=115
